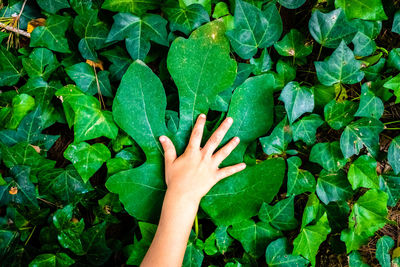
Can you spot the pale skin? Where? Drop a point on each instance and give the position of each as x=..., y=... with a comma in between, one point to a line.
x=188, y=177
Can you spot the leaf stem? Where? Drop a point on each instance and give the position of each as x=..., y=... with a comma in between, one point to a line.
x=29, y=238
x=390, y=122
x=392, y=128
x=196, y=225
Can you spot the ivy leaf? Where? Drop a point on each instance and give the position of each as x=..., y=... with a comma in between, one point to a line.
x=254, y=28
x=328, y=29
x=328, y=155
x=362, y=173
x=394, y=155
x=281, y=215
x=222, y=239
x=278, y=255
x=291, y=4
x=88, y=119
x=140, y=247
x=137, y=7
x=20, y=106
x=261, y=64
x=254, y=237
x=355, y=260
x=120, y=62
x=370, y=105
x=313, y=211
x=194, y=252
x=299, y=181
x=390, y=184
x=185, y=18
x=14, y=7
x=278, y=141
x=41, y=63
x=94, y=244
x=87, y=159
x=341, y=67
x=364, y=132
x=293, y=45
x=310, y=238
x=10, y=68
x=138, y=32
x=85, y=78
x=306, y=128
x=394, y=84
x=362, y=9
x=52, y=35
x=298, y=100
x=352, y=240
x=18, y=188
x=48, y=259
x=339, y=114
x=396, y=23
x=333, y=186
x=383, y=246
x=52, y=6
x=363, y=45
x=64, y=184
x=93, y=33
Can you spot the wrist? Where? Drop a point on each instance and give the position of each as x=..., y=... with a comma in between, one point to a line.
x=186, y=197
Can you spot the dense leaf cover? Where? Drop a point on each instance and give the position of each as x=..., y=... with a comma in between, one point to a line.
x=313, y=88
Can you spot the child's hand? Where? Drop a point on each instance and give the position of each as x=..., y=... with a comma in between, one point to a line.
x=196, y=171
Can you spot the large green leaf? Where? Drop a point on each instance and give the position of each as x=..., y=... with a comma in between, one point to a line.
x=362, y=9
x=137, y=7
x=254, y=28
x=88, y=81
x=364, y=132
x=328, y=155
x=310, y=238
x=84, y=113
x=383, y=246
x=362, y=173
x=92, y=31
x=306, y=128
x=87, y=159
x=299, y=181
x=341, y=67
x=138, y=32
x=280, y=215
x=394, y=155
x=278, y=255
x=10, y=68
x=52, y=35
x=185, y=18
x=329, y=29
x=333, y=186
x=339, y=114
x=298, y=100
x=254, y=237
x=293, y=45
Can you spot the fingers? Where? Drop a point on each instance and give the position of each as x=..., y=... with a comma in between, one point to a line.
x=217, y=136
x=197, y=133
x=169, y=149
x=224, y=152
x=228, y=171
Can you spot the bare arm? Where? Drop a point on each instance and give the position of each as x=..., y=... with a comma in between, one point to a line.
x=189, y=177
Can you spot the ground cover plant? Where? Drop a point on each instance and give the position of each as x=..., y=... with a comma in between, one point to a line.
x=313, y=86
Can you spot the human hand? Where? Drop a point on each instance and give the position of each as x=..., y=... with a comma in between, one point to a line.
x=196, y=171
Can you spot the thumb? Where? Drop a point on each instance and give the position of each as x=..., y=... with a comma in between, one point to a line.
x=169, y=149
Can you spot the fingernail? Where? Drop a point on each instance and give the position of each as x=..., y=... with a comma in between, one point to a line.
x=237, y=139
x=162, y=138
x=229, y=119
x=202, y=115
x=243, y=166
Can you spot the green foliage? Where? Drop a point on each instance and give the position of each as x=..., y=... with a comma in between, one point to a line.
x=84, y=100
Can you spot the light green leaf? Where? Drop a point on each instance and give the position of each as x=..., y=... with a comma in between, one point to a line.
x=299, y=181
x=383, y=246
x=364, y=132
x=313, y=211
x=394, y=155
x=278, y=255
x=341, y=67
x=88, y=119
x=362, y=173
x=52, y=6
x=333, y=186
x=254, y=28
x=329, y=29
x=185, y=18
x=137, y=7
x=328, y=155
x=138, y=32
x=294, y=45
x=310, y=238
x=298, y=100
x=194, y=252
x=20, y=106
x=254, y=237
x=394, y=84
x=306, y=128
x=278, y=141
x=85, y=78
x=352, y=240
x=52, y=35
x=87, y=159
x=280, y=215
x=141, y=246
x=362, y=9
x=339, y=114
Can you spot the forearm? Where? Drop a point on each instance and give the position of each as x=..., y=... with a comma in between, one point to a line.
x=176, y=220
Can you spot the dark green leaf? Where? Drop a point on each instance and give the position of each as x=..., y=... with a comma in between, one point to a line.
x=278, y=255
x=52, y=6
x=299, y=181
x=293, y=45
x=328, y=155
x=137, y=7
x=383, y=246
x=41, y=63
x=280, y=215
x=394, y=155
x=390, y=184
x=333, y=186
x=306, y=128
x=278, y=141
